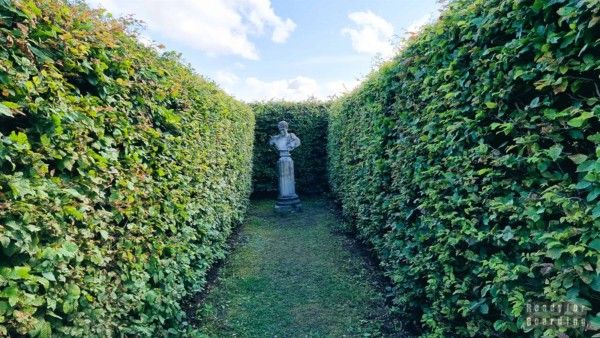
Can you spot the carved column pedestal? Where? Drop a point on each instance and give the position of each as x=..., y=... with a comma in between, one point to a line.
x=288, y=200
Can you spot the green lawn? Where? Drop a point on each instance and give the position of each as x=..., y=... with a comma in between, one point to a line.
x=293, y=276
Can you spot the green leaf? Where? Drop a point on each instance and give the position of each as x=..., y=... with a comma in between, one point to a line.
x=594, y=321
x=517, y=73
x=43, y=329
x=595, y=244
x=499, y=325
x=579, y=121
x=565, y=11
x=46, y=330
x=73, y=291
x=10, y=105
x=595, y=284
x=507, y=233
x=583, y=185
x=21, y=272
x=45, y=283
x=18, y=137
x=49, y=276
x=6, y=111
x=593, y=194
x=40, y=54
x=72, y=211
x=67, y=307
x=596, y=211
x=12, y=293
x=20, y=186
x=485, y=290
x=572, y=293
x=582, y=301
x=586, y=166
x=69, y=249
x=484, y=308
x=554, y=253
x=491, y=105
x=555, y=151
x=594, y=138
x=579, y=158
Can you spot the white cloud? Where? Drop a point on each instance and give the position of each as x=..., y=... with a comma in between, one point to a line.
x=295, y=89
x=375, y=36
x=226, y=79
x=416, y=26
x=372, y=36
x=216, y=27
x=340, y=87
x=260, y=13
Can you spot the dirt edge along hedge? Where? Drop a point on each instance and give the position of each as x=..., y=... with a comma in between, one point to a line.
x=308, y=120
x=121, y=175
x=471, y=164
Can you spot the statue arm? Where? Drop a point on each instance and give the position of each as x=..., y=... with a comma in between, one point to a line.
x=295, y=140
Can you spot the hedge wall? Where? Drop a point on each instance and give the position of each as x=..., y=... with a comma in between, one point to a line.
x=471, y=164
x=308, y=120
x=121, y=175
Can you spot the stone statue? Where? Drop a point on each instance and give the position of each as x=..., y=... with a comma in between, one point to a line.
x=285, y=142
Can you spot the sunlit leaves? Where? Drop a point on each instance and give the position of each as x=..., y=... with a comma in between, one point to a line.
x=121, y=173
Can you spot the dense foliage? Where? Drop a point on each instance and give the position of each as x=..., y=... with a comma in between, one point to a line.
x=308, y=120
x=121, y=175
x=471, y=164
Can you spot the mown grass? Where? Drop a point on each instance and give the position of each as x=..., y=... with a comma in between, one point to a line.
x=293, y=276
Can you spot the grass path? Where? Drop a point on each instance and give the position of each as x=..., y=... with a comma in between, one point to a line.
x=293, y=276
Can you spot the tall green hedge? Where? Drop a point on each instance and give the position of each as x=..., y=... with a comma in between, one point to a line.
x=308, y=120
x=471, y=164
x=121, y=175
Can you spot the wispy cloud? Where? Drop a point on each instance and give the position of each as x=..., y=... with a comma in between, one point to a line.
x=216, y=27
x=373, y=34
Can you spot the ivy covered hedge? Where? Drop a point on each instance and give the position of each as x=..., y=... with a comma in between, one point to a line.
x=471, y=164
x=121, y=175
x=308, y=120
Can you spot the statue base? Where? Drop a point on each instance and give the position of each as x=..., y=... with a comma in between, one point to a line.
x=288, y=204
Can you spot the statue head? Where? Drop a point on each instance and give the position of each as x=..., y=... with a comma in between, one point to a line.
x=283, y=127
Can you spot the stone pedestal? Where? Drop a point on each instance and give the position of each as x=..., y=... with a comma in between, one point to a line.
x=287, y=200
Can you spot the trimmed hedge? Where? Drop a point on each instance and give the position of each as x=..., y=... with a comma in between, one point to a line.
x=471, y=164
x=121, y=175
x=308, y=120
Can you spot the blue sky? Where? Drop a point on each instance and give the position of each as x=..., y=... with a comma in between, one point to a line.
x=279, y=49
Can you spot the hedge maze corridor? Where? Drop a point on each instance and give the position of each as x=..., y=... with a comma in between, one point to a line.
x=453, y=191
